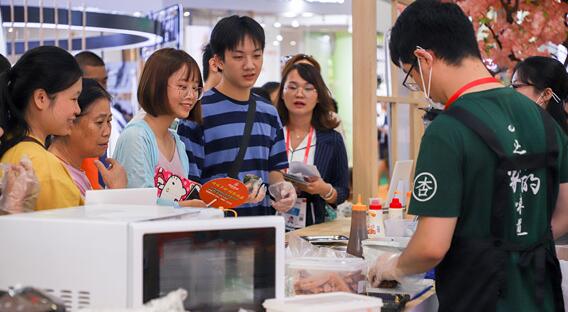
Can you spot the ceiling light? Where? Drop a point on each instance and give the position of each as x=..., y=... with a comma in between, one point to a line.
x=307, y=14
x=137, y=13
x=295, y=24
x=296, y=5
x=279, y=38
x=275, y=43
x=186, y=13
x=277, y=25
x=293, y=43
x=290, y=14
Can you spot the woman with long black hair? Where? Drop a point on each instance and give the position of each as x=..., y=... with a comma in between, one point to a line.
x=38, y=98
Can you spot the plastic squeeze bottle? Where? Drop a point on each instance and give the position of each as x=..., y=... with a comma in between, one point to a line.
x=375, y=223
x=395, y=208
x=358, y=230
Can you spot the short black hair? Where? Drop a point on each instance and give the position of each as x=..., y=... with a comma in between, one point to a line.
x=207, y=55
x=543, y=72
x=433, y=25
x=271, y=86
x=88, y=58
x=260, y=91
x=232, y=30
x=4, y=64
x=91, y=92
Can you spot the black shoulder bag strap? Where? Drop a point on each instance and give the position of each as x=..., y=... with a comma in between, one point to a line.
x=236, y=167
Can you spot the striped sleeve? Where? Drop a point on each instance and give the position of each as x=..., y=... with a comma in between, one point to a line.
x=191, y=135
x=278, y=160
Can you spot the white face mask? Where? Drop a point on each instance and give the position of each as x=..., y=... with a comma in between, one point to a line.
x=538, y=100
x=554, y=97
x=427, y=90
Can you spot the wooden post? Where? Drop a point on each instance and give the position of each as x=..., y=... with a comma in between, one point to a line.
x=365, y=150
x=417, y=126
x=393, y=121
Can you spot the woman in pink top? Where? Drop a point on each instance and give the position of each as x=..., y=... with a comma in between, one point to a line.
x=89, y=139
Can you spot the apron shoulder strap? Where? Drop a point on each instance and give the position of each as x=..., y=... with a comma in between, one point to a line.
x=477, y=126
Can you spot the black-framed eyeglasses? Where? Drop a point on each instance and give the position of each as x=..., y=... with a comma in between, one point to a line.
x=520, y=85
x=410, y=85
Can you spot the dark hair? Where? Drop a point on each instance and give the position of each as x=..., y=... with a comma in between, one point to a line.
x=232, y=30
x=321, y=118
x=433, y=25
x=207, y=55
x=260, y=91
x=335, y=106
x=88, y=58
x=153, y=86
x=544, y=72
x=271, y=86
x=4, y=64
x=301, y=57
x=49, y=68
x=91, y=92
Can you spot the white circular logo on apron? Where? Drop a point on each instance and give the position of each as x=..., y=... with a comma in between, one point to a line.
x=425, y=187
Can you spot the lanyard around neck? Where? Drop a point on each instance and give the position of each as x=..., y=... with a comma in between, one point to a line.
x=308, y=146
x=468, y=86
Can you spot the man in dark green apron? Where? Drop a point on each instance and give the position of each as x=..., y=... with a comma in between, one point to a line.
x=491, y=176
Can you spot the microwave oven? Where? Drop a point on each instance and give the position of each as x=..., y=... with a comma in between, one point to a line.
x=112, y=256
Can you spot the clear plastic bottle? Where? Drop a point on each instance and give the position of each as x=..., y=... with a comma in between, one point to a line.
x=358, y=232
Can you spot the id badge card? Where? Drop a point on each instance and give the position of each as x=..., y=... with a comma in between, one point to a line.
x=295, y=218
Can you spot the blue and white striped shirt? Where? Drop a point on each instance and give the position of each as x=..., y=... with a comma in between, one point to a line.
x=221, y=133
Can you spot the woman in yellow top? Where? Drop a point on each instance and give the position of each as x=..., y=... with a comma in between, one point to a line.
x=38, y=98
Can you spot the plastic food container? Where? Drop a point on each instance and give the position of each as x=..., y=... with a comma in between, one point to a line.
x=309, y=275
x=375, y=247
x=332, y=302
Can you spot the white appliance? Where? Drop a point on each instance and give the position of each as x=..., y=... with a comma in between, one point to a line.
x=110, y=256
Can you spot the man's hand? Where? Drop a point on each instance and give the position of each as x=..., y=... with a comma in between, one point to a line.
x=284, y=195
x=385, y=269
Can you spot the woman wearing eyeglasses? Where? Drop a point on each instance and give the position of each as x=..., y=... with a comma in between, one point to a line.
x=545, y=81
x=299, y=59
x=152, y=154
x=305, y=106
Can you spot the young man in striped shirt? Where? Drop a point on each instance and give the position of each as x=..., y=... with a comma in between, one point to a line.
x=238, y=44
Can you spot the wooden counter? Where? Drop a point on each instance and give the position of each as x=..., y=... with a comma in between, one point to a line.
x=335, y=227
x=425, y=303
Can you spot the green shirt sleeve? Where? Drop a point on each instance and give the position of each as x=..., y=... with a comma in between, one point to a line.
x=438, y=181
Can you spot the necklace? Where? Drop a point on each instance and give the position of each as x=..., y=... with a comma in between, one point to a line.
x=301, y=135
